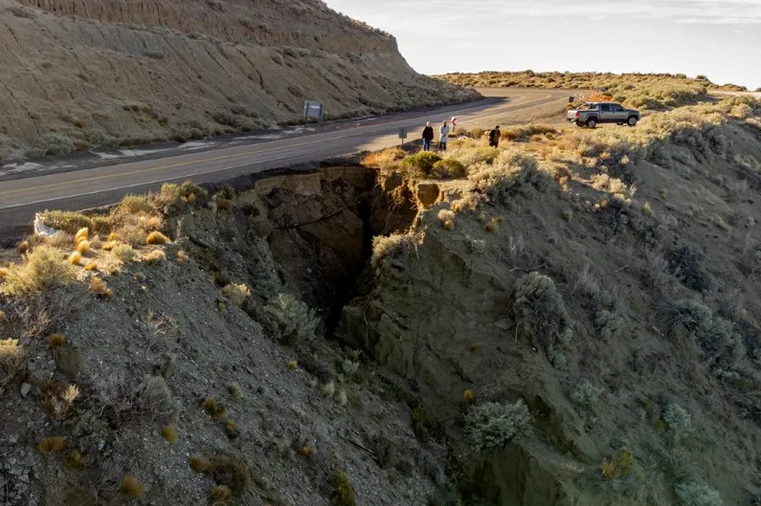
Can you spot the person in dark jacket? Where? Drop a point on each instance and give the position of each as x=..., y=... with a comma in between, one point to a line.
x=427, y=136
x=494, y=136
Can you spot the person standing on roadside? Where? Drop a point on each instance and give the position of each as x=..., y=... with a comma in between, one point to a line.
x=494, y=136
x=443, y=136
x=427, y=136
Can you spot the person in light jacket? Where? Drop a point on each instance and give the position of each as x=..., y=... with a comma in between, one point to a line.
x=427, y=136
x=443, y=136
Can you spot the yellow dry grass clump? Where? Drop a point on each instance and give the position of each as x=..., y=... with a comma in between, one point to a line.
x=82, y=235
x=213, y=408
x=56, y=341
x=220, y=494
x=154, y=257
x=169, y=432
x=52, y=444
x=100, y=288
x=75, y=258
x=131, y=487
x=156, y=238
x=44, y=269
x=83, y=247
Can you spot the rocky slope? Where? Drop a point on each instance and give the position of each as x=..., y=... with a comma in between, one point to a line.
x=571, y=319
x=75, y=74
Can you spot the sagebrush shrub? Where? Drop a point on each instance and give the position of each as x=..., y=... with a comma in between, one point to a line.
x=293, y=320
x=124, y=252
x=677, y=419
x=237, y=293
x=686, y=264
x=492, y=425
x=449, y=168
x=393, y=246
x=512, y=172
x=586, y=394
x=44, y=269
x=539, y=310
x=697, y=494
x=718, y=340
x=156, y=401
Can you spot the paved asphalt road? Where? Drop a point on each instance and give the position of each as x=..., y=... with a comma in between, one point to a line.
x=85, y=184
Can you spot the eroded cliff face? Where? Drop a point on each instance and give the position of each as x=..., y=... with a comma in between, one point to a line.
x=103, y=72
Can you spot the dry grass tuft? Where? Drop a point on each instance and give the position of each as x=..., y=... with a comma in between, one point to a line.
x=52, y=444
x=307, y=451
x=169, y=432
x=43, y=270
x=292, y=365
x=220, y=494
x=83, y=247
x=156, y=238
x=56, y=341
x=182, y=257
x=82, y=234
x=213, y=408
x=4, y=272
x=91, y=267
x=235, y=391
x=75, y=258
x=100, y=288
x=468, y=396
x=154, y=257
x=342, y=399
x=329, y=390
x=199, y=464
x=23, y=247
x=231, y=430
x=74, y=459
x=11, y=358
x=131, y=487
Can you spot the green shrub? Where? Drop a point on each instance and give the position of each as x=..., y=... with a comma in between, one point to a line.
x=124, y=252
x=471, y=155
x=586, y=394
x=493, y=425
x=343, y=492
x=524, y=133
x=687, y=265
x=53, y=144
x=71, y=222
x=539, y=310
x=716, y=336
x=677, y=419
x=421, y=162
x=511, y=173
x=695, y=494
x=155, y=400
x=44, y=269
x=392, y=246
x=293, y=320
x=449, y=168
x=236, y=293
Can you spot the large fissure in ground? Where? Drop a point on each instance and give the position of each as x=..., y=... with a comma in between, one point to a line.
x=307, y=234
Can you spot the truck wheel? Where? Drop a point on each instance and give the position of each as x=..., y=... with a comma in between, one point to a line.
x=591, y=123
x=631, y=121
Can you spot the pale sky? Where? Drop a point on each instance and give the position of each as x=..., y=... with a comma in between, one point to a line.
x=720, y=38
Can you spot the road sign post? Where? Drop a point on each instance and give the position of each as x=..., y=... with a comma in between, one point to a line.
x=313, y=109
x=403, y=134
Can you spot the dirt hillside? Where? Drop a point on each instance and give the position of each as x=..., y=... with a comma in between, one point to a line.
x=569, y=319
x=76, y=74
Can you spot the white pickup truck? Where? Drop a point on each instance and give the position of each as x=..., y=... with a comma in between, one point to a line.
x=593, y=113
